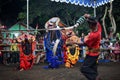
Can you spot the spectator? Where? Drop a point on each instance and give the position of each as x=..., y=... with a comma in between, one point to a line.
x=116, y=50
x=6, y=55
x=15, y=54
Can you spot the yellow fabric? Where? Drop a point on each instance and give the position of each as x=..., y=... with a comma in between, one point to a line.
x=94, y=50
x=14, y=47
x=72, y=59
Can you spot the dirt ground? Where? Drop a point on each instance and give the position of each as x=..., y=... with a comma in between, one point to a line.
x=108, y=71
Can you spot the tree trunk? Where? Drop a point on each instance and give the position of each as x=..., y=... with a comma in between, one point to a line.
x=103, y=22
x=112, y=19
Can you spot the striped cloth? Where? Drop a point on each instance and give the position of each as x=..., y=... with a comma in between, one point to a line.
x=81, y=20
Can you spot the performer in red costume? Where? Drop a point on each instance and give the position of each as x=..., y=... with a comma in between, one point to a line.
x=92, y=41
x=26, y=54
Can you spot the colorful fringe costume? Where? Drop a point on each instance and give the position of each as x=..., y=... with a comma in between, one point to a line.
x=72, y=58
x=26, y=54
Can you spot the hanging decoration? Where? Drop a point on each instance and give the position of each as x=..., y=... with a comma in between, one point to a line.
x=85, y=3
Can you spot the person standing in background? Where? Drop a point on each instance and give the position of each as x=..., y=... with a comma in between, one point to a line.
x=6, y=55
x=14, y=49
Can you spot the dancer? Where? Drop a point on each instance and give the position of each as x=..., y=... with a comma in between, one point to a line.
x=72, y=50
x=92, y=41
x=26, y=54
x=53, y=43
x=65, y=36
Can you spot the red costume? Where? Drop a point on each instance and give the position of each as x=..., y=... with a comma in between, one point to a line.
x=89, y=66
x=93, y=42
x=26, y=61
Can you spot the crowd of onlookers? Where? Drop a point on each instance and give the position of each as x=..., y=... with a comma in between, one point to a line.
x=109, y=49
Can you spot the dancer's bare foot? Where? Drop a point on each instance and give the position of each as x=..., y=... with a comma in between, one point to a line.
x=21, y=69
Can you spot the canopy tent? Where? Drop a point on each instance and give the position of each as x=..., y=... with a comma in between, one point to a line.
x=86, y=3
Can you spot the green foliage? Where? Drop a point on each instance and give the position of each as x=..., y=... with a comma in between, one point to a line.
x=21, y=15
x=42, y=10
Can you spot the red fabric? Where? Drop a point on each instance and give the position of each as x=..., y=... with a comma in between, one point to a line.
x=93, y=41
x=26, y=61
x=65, y=53
x=33, y=45
x=64, y=38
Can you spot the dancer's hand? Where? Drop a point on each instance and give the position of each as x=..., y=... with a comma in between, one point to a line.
x=86, y=38
x=86, y=15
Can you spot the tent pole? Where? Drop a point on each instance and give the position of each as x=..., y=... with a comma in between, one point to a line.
x=94, y=8
x=27, y=14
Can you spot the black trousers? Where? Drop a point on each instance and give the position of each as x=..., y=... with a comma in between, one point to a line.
x=89, y=67
x=14, y=57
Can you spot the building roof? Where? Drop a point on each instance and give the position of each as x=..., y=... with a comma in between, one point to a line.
x=20, y=26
